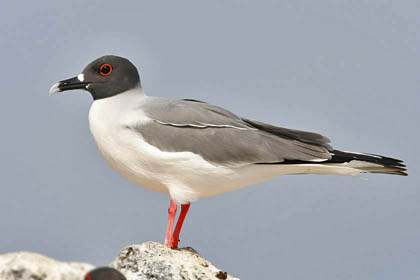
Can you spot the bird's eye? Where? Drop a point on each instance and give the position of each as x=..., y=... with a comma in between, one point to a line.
x=87, y=277
x=105, y=69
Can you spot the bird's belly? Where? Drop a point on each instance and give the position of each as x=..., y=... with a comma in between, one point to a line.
x=125, y=154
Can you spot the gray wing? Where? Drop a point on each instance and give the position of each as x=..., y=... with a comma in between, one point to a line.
x=303, y=136
x=224, y=138
x=191, y=113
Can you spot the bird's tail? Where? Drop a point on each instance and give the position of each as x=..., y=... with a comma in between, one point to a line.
x=368, y=163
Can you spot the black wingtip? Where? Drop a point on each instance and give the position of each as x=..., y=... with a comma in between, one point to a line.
x=390, y=165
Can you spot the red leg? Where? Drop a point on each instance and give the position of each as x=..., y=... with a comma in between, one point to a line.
x=171, y=219
x=182, y=215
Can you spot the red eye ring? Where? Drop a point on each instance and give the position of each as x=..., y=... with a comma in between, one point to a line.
x=105, y=69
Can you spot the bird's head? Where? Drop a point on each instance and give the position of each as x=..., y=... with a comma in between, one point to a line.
x=104, y=77
x=104, y=273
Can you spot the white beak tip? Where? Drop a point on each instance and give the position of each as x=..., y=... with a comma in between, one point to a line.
x=54, y=88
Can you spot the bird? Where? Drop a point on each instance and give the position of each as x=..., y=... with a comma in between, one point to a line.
x=191, y=149
x=104, y=273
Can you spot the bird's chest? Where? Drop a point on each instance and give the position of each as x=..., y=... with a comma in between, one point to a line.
x=113, y=139
x=121, y=147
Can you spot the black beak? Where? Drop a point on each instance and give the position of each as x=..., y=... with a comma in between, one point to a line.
x=69, y=84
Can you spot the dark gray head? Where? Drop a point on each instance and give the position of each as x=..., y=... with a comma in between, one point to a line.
x=104, y=273
x=104, y=77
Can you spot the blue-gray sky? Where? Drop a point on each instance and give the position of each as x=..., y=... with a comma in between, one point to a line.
x=346, y=69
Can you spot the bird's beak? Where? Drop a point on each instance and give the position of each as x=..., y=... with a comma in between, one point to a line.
x=69, y=84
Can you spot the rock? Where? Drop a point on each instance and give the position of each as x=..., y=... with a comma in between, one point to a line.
x=31, y=266
x=151, y=260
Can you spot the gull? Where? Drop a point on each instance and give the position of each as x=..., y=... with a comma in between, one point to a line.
x=190, y=149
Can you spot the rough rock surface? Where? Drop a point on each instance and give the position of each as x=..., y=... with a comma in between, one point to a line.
x=151, y=260
x=31, y=266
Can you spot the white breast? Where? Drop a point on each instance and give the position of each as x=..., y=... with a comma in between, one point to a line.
x=109, y=119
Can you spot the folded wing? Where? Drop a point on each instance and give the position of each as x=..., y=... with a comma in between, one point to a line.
x=224, y=138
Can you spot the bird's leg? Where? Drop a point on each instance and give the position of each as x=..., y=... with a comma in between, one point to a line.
x=171, y=219
x=182, y=215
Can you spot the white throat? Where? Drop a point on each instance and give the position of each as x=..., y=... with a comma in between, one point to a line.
x=116, y=109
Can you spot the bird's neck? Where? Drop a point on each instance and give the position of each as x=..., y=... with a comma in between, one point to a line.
x=136, y=92
x=127, y=99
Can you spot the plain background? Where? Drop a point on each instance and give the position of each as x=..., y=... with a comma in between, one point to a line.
x=346, y=69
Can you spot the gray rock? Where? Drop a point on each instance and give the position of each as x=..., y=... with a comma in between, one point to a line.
x=151, y=260
x=31, y=266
